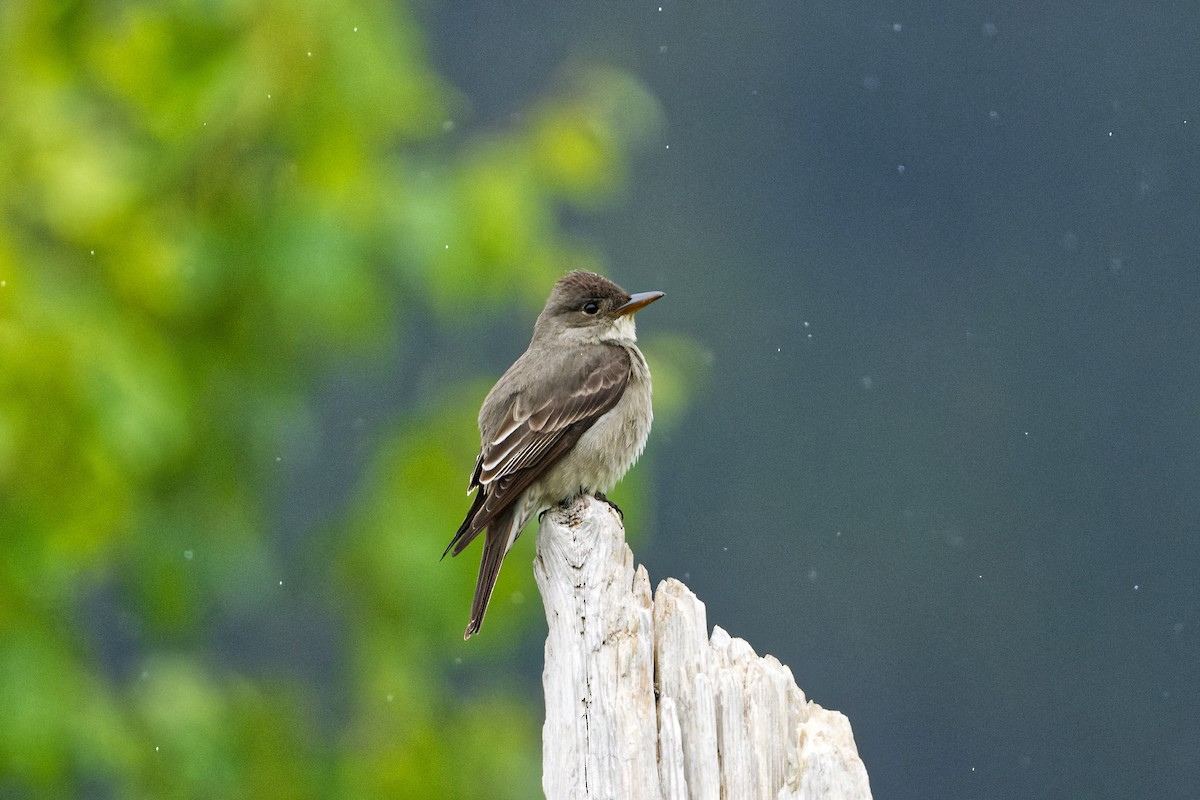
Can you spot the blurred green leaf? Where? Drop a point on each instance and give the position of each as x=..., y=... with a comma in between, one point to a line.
x=208, y=210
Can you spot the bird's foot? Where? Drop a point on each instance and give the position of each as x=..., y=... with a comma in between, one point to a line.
x=612, y=505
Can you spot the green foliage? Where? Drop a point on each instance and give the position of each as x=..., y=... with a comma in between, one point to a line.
x=207, y=207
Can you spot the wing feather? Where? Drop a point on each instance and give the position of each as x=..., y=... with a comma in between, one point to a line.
x=535, y=432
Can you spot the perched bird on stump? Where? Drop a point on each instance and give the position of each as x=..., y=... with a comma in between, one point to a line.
x=569, y=417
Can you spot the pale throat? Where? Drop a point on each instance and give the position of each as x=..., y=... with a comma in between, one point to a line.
x=624, y=328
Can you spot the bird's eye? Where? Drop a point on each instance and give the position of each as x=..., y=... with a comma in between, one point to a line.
x=591, y=307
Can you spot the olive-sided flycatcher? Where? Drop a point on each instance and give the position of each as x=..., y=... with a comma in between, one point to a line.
x=569, y=417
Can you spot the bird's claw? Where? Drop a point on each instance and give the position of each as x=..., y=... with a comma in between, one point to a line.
x=611, y=504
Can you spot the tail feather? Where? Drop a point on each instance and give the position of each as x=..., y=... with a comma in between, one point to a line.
x=499, y=538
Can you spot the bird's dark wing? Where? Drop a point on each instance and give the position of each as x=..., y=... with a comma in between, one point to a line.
x=537, y=426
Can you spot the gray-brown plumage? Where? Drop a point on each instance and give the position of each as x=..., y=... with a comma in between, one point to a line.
x=569, y=417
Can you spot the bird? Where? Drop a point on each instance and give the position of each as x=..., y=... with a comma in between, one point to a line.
x=568, y=418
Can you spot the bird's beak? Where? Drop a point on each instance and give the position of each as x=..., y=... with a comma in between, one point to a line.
x=636, y=303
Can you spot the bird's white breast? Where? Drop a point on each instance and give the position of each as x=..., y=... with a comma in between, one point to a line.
x=607, y=450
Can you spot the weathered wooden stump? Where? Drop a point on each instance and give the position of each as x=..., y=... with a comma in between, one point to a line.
x=642, y=704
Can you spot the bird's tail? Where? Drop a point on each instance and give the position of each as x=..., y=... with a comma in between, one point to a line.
x=499, y=538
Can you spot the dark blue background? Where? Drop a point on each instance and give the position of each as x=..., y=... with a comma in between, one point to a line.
x=962, y=501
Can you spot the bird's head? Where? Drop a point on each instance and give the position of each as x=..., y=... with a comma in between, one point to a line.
x=590, y=307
